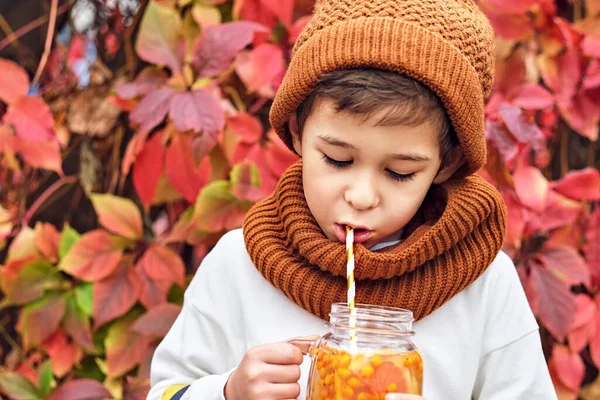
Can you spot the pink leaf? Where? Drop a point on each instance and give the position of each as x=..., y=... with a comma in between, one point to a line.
x=157, y=321
x=580, y=185
x=14, y=82
x=522, y=127
x=569, y=367
x=515, y=220
x=246, y=126
x=150, y=79
x=591, y=46
x=116, y=294
x=531, y=187
x=148, y=168
x=46, y=240
x=511, y=6
x=181, y=169
x=152, y=109
x=502, y=140
x=197, y=111
x=124, y=347
x=282, y=9
x=63, y=354
x=560, y=211
x=152, y=292
x=279, y=157
x=556, y=303
x=582, y=114
x=45, y=155
x=591, y=248
x=163, y=264
x=585, y=320
x=41, y=319
x=119, y=215
x=531, y=97
x=566, y=263
x=261, y=69
x=93, y=257
x=298, y=27
x=595, y=339
x=216, y=48
x=32, y=119
x=81, y=389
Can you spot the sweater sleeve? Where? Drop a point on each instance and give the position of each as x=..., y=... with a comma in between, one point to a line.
x=515, y=371
x=203, y=346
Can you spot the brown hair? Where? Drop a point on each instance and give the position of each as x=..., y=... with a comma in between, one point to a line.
x=368, y=91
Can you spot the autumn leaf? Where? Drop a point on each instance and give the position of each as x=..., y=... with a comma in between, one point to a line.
x=522, y=127
x=246, y=127
x=14, y=82
x=181, y=168
x=147, y=169
x=531, y=97
x=39, y=320
x=245, y=182
x=583, y=115
x=68, y=237
x=63, y=354
x=31, y=119
x=569, y=367
x=298, y=27
x=206, y=15
x=38, y=154
x=119, y=215
x=279, y=158
x=566, y=263
x=152, y=292
x=124, y=347
x=32, y=282
x=515, y=220
x=116, y=294
x=261, y=69
x=157, y=321
x=216, y=48
x=93, y=257
x=556, y=303
x=531, y=187
x=511, y=6
x=6, y=224
x=559, y=211
x=197, y=111
x=148, y=80
x=18, y=386
x=591, y=248
x=266, y=12
x=46, y=240
x=499, y=137
x=77, y=324
x=159, y=41
x=152, y=109
x=81, y=389
x=217, y=209
x=580, y=185
x=584, y=324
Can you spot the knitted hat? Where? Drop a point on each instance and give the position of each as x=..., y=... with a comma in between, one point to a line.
x=446, y=44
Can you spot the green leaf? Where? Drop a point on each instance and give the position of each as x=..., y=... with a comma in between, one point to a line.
x=77, y=324
x=39, y=320
x=67, y=238
x=159, y=40
x=84, y=297
x=32, y=281
x=18, y=387
x=45, y=378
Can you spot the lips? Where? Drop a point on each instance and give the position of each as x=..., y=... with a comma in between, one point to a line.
x=361, y=234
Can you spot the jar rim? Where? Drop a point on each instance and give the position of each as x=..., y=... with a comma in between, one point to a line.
x=372, y=311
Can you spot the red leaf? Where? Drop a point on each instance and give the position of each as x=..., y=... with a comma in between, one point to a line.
x=522, y=127
x=216, y=48
x=261, y=69
x=580, y=185
x=45, y=155
x=502, y=140
x=134, y=147
x=163, y=264
x=584, y=323
x=569, y=367
x=560, y=211
x=556, y=303
x=298, y=27
x=531, y=187
x=41, y=319
x=282, y=9
x=246, y=126
x=245, y=182
x=197, y=111
x=46, y=240
x=511, y=6
x=582, y=114
x=217, y=209
x=279, y=157
x=511, y=27
x=93, y=257
x=159, y=41
x=152, y=292
x=150, y=79
x=266, y=12
x=531, y=97
x=63, y=355
x=592, y=75
x=595, y=339
x=32, y=281
x=591, y=249
x=515, y=220
x=119, y=215
x=81, y=389
x=157, y=321
x=124, y=347
x=181, y=169
x=591, y=46
x=77, y=325
x=116, y=294
x=148, y=169
x=152, y=109
x=566, y=263
x=32, y=119
x=14, y=82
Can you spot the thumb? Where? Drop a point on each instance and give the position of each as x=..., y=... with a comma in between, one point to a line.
x=303, y=342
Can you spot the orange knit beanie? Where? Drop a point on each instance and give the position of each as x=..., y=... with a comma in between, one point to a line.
x=446, y=44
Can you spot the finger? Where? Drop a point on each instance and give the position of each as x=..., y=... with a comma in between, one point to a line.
x=281, y=373
x=280, y=354
x=285, y=390
x=398, y=396
x=304, y=342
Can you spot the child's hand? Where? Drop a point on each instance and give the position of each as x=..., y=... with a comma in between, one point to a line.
x=267, y=372
x=403, y=397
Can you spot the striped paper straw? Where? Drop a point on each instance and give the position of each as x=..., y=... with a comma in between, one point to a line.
x=351, y=285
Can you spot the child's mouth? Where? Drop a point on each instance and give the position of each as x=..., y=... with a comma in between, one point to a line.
x=361, y=235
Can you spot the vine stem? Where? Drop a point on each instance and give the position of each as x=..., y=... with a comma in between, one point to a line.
x=25, y=29
x=44, y=196
x=49, y=40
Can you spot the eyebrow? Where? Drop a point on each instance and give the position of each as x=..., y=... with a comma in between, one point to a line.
x=401, y=156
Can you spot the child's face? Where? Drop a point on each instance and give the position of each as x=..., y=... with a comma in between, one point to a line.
x=369, y=177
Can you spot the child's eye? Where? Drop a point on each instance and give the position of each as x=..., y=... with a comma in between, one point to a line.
x=400, y=177
x=335, y=163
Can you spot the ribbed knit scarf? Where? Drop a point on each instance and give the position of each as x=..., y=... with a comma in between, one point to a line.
x=450, y=242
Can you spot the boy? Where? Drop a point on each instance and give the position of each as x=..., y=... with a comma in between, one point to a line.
x=383, y=101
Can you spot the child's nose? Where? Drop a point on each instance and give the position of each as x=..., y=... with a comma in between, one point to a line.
x=362, y=194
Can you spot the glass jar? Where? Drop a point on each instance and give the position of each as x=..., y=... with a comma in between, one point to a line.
x=380, y=357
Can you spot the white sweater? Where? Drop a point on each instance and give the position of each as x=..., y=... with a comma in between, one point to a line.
x=482, y=344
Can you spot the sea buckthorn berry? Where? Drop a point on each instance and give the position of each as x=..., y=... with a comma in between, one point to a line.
x=364, y=396
x=367, y=371
x=353, y=382
x=345, y=360
x=328, y=379
x=392, y=387
x=376, y=360
x=344, y=372
x=347, y=391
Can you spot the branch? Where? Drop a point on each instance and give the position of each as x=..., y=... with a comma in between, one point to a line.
x=44, y=196
x=49, y=40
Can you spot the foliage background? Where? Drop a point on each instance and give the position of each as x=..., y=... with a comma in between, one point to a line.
x=134, y=134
